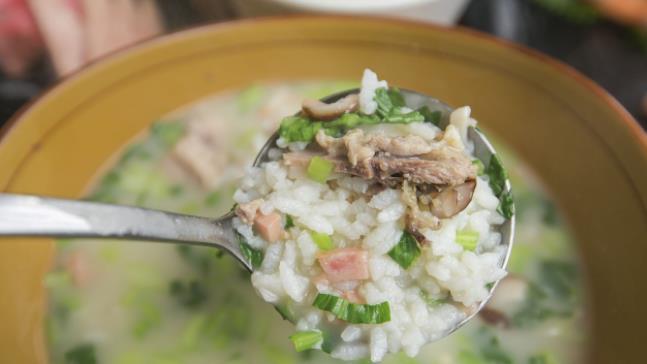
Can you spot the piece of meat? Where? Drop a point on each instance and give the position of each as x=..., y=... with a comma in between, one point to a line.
x=345, y=264
x=402, y=146
x=269, y=226
x=452, y=200
x=358, y=148
x=318, y=110
x=388, y=169
x=247, y=211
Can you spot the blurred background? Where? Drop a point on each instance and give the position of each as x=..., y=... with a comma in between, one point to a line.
x=42, y=41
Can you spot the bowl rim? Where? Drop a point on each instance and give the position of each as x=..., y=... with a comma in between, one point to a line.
x=636, y=131
x=351, y=6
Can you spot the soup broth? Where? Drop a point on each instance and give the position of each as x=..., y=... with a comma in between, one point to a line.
x=134, y=302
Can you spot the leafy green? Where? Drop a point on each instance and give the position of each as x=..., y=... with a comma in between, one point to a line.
x=323, y=241
x=468, y=239
x=168, y=132
x=543, y=358
x=148, y=317
x=319, y=169
x=195, y=258
x=81, y=354
x=253, y=256
x=405, y=251
x=353, y=312
x=506, y=205
x=305, y=340
x=487, y=350
x=555, y=296
x=213, y=199
x=498, y=177
x=390, y=104
x=289, y=222
x=559, y=278
x=497, y=174
x=431, y=116
x=189, y=294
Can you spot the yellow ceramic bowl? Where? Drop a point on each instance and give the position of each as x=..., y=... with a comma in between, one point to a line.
x=587, y=149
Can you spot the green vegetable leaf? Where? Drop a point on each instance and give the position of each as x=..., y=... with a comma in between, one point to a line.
x=506, y=205
x=431, y=116
x=389, y=107
x=319, y=169
x=397, y=100
x=497, y=175
x=168, y=133
x=81, y=354
x=353, y=312
x=405, y=251
x=560, y=278
x=323, y=241
x=305, y=340
x=190, y=294
x=254, y=256
x=543, y=358
x=468, y=239
x=289, y=222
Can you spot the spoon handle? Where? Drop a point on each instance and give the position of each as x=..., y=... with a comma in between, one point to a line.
x=26, y=215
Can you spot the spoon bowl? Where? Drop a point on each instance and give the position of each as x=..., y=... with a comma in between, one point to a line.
x=27, y=215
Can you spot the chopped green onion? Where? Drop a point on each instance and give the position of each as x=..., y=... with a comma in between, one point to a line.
x=468, y=239
x=213, y=198
x=353, y=312
x=253, y=256
x=405, y=251
x=285, y=312
x=289, y=222
x=480, y=168
x=305, y=340
x=323, y=241
x=298, y=129
x=319, y=169
x=81, y=354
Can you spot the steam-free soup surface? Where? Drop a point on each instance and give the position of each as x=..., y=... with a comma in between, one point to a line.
x=132, y=302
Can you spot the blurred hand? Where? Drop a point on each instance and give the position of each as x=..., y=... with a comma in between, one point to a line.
x=20, y=42
x=76, y=32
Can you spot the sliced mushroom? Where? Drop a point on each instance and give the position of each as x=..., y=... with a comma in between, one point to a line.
x=318, y=110
x=452, y=200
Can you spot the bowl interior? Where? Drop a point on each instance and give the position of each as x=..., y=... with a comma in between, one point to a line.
x=587, y=149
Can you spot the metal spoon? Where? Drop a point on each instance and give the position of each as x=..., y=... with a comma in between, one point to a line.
x=25, y=215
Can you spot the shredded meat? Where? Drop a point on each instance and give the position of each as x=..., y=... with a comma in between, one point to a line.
x=318, y=110
x=247, y=211
x=335, y=147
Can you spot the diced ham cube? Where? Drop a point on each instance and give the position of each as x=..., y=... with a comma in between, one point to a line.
x=270, y=226
x=345, y=264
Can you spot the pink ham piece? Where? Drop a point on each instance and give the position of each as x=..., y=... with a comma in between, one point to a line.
x=270, y=226
x=345, y=264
